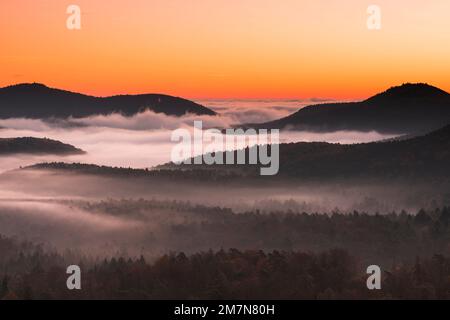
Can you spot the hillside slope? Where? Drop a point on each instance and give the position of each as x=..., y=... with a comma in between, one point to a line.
x=39, y=101
x=420, y=157
x=410, y=108
x=28, y=145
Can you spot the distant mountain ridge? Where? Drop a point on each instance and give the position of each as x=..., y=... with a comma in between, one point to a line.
x=29, y=145
x=409, y=108
x=38, y=101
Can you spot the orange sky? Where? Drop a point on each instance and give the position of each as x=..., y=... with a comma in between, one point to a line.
x=226, y=48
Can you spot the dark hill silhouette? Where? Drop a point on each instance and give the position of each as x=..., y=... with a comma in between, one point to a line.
x=39, y=101
x=420, y=157
x=28, y=145
x=410, y=108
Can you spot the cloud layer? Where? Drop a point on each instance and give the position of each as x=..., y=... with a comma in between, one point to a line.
x=144, y=140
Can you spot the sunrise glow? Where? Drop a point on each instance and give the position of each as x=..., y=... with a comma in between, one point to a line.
x=226, y=49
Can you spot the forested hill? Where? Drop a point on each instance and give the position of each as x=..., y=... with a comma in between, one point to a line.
x=425, y=156
x=39, y=101
x=421, y=156
x=30, y=145
x=410, y=108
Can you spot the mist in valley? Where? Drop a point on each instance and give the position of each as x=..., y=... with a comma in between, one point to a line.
x=104, y=219
x=107, y=215
x=143, y=140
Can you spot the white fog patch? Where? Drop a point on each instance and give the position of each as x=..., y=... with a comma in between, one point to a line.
x=149, y=120
x=258, y=110
x=65, y=227
x=143, y=140
x=343, y=137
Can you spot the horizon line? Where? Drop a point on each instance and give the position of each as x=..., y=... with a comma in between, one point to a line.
x=313, y=99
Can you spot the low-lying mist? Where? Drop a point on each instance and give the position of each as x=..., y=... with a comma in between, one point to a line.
x=141, y=141
x=105, y=215
x=240, y=195
x=108, y=215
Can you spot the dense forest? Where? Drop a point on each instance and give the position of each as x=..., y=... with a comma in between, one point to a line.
x=30, y=273
x=218, y=253
x=386, y=238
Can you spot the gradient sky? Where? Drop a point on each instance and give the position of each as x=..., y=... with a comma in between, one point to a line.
x=226, y=48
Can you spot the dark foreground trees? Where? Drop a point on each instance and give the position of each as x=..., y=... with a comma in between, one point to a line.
x=30, y=273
